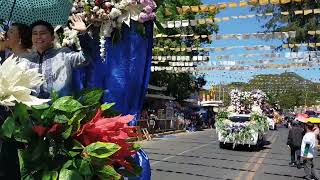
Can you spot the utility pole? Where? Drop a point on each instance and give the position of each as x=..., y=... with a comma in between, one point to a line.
x=306, y=94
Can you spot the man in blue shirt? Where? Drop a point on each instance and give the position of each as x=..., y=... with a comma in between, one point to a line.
x=56, y=64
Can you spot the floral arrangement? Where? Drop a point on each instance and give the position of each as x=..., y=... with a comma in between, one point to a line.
x=110, y=15
x=241, y=133
x=244, y=101
x=16, y=83
x=73, y=137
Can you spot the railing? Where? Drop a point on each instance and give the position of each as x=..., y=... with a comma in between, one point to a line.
x=161, y=125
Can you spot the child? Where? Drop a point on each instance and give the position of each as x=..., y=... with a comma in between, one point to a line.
x=294, y=142
x=308, y=150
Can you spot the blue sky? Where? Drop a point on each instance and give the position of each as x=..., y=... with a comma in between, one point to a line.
x=241, y=26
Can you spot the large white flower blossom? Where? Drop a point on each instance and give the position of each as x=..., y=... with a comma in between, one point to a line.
x=114, y=13
x=16, y=83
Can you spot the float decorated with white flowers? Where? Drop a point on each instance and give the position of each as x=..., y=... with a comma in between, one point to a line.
x=244, y=121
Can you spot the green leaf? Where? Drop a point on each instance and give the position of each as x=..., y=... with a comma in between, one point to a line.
x=77, y=145
x=136, y=146
x=77, y=117
x=67, y=104
x=54, y=96
x=101, y=149
x=48, y=113
x=60, y=118
x=67, y=165
x=41, y=107
x=66, y=174
x=27, y=177
x=67, y=133
x=92, y=97
x=107, y=106
x=85, y=168
x=49, y=175
x=8, y=127
x=21, y=113
x=159, y=26
x=73, y=153
x=108, y=172
x=131, y=173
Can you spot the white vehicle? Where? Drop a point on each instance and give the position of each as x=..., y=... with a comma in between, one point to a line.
x=255, y=142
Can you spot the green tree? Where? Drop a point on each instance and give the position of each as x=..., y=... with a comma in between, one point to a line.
x=180, y=85
x=299, y=23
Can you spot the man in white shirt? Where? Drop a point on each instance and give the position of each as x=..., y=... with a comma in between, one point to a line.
x=308, y=150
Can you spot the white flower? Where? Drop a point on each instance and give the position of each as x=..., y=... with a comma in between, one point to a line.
x=16, y=83
x=106, y=29
x=122, y=5
x=114, y=13
x=132, y=12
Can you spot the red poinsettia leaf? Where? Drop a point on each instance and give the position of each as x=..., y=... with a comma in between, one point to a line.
x=39, y=130
x=55, y=128
x=97, y=116
x=120, y=119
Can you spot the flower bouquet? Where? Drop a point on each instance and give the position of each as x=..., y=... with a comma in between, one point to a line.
x=109, y=16
x=73, y=137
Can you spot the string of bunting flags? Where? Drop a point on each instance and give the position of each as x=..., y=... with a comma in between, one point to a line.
x=238, y=62
x=256, y=67
x=215, y=7
x=279, y=35
x=292, y=55
x=181, y=58
x=289, y=55
x=232, y=68
x=248, y=48
x=196, y=22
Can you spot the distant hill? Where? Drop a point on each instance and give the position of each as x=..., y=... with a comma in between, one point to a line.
x=287, y=89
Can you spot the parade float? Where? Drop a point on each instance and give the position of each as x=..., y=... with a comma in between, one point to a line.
x=65, y=138
x=243, y=122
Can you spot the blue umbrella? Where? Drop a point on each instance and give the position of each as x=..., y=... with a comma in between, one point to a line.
x=55, y=12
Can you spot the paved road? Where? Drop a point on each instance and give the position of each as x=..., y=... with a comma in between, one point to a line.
x=197, y=156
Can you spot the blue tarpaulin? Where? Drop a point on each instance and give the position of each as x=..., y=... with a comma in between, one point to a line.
x=124, y=76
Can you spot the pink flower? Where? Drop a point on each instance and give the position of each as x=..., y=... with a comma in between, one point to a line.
x=143, y=17
x=148, y=9
x=150, y=3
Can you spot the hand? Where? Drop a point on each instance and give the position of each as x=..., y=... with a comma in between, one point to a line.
x=78, y=24
x=2, y=42
x=289, y=147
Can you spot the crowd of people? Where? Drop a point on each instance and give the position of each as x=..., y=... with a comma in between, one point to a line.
x=302, y=142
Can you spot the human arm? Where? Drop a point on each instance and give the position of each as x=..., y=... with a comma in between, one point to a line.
x=78, y=59
x=290, y=139
x=2, y=42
